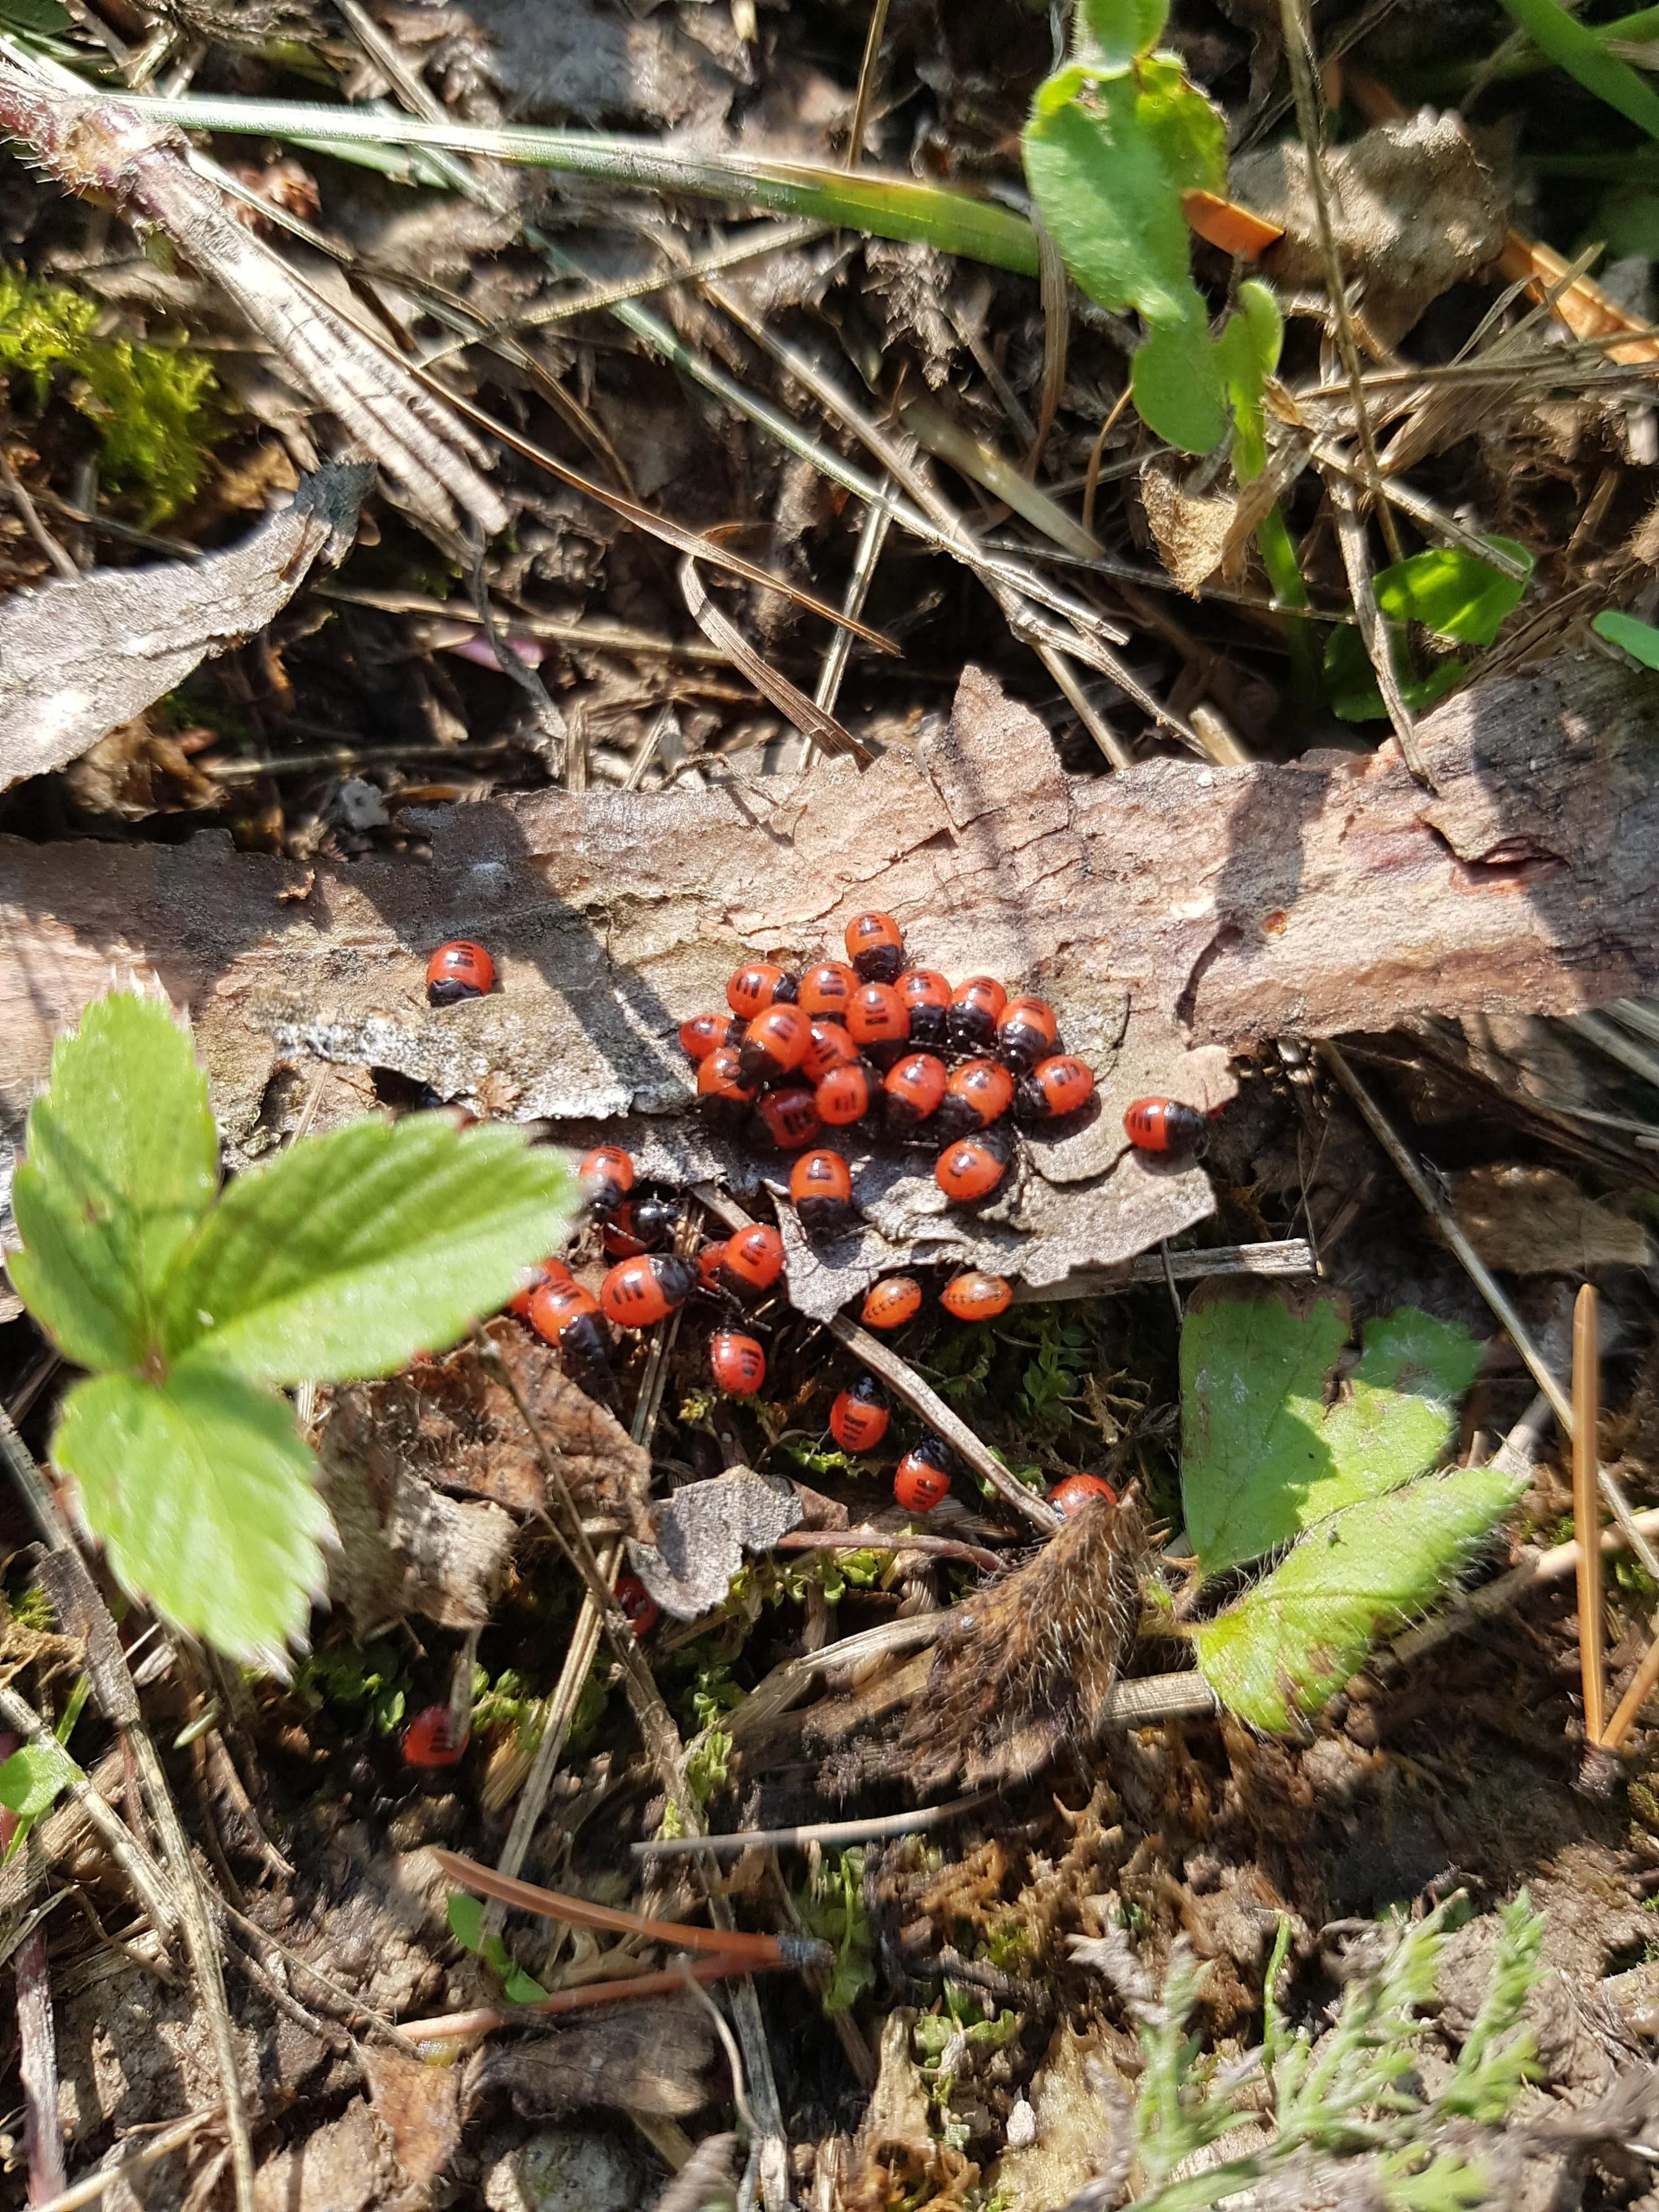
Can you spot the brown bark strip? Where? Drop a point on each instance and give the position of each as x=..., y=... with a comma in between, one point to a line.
x=1212, y=905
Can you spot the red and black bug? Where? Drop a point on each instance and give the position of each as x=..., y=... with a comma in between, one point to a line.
x=830, y=1047
x=791, y=1116
x=847, y=1093
x=875, y=946
x=1026, y=1033
x=927, y=996
x=753, y=988
x=707, y=1033
x=1078, y=1491
x=548, y=1271
x=753, y=1260
x=643, y=1223
x=636, y=1602
x=972, y=1021
x=737, y=1363
x=891, y=1302
x=429, y=1740
x=976, y=1296
x=1055, y=1087
x=826, y=991
x=923, y=1475
x=858, y=1418
x=606, y=1176
x=971, y=1169
x=821, y=1185
x=977, y=1094
x=710, y=1261
x=1164, y=1125
x=773, y=1045
x=637, y=1293
x=458, y=971
x=913, y=1088
x=723, y=1095
x=569, y=1318
x=879, y=1022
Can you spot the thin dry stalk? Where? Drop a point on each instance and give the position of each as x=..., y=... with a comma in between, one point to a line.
x=94, y=2185
x=37, y=2068
x=872, y=537
x=1586, y=1515
x=447, y=2027
x=828, y=1834
x=866, y=92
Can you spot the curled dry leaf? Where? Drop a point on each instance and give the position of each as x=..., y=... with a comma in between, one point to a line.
x=1414, y=208
x=701, y=1533
x=418, y=2106
x=78, y=660
x=404, y=1547
x=658, y=2055
x=452, y=1423
x=1021, y=1667
x=1191, y=529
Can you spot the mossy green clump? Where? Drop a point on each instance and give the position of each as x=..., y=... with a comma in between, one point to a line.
x=156, y=407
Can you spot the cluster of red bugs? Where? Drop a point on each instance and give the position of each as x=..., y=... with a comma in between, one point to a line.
x=865, y=1042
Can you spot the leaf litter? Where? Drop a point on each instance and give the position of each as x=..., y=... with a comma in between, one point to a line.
x=1196, y=921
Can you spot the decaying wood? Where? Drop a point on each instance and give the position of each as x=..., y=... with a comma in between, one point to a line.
x=1171, y=912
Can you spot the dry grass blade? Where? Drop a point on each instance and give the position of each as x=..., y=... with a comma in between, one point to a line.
x=817, y=726
x=1055, y=289
x=868, y=69
x=1585, y=309
x=94, y=2185
x=1586, y=1513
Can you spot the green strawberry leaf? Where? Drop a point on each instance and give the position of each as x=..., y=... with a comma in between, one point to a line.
x=1288, y=1645
x=200, y=1489
x=121, y=1164
x=349, y=1252
x=1263, y=1457
x=1118, y=31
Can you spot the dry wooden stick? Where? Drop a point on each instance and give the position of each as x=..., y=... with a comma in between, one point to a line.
x=1641, y=1689
x=723, y=1966
x=1586, y=1518
x=831, y=1832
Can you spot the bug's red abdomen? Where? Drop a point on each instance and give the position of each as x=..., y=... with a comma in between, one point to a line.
x=1079, y=1491
x=737, y=1363
x=1163, y=1125
x=773, y=1045
x=971, y=1169
x=791, y=1116
x=976, y=1296
x=915, y=1087
x=846, y=1094
x=826, y=991
x=753, y=1260
x=875, y=946
x=891, y=1302
x=821, y=1185
x=705, y=1033
x=637, y=1293
x=753, y=988
x=858, y=1418
x=923, y=1476
x=971, y=1022
x=1057, y=1086
x=977, y=1094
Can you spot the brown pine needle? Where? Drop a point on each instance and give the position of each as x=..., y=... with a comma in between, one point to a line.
x=1586, y=1420
x=1642, y=1688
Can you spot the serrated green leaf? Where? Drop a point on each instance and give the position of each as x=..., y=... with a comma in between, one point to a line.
x=1639, y=639
x=121, y=1163
x=352, y=1252
x=466, y=1919
x=200, y=1489
x=34, y=1777
x=1582, y=55
x=1453, y=592
x=1262, y=1456
x=1118, y=31
x=1290, y=1643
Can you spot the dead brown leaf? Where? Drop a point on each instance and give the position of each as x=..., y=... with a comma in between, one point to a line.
x=1414, y=208
x=1190, y=528
x=700, y=1534
x=1536, y=1221
x=418, y=2106
x=655, y=2056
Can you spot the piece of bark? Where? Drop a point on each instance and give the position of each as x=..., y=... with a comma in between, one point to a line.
x=700, y=1534
x=451, y=1423
x=1222, y=904
x=78, y=660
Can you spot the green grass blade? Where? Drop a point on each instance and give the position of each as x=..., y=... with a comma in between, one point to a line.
x=887, y=206
x=1580, y=51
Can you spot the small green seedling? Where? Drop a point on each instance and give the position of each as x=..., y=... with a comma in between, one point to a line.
x=466, y=1926
x=342, y=1257
x=1114, y=138
x=1270, y=1460
x=1452, y=593
x=832, y=1906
